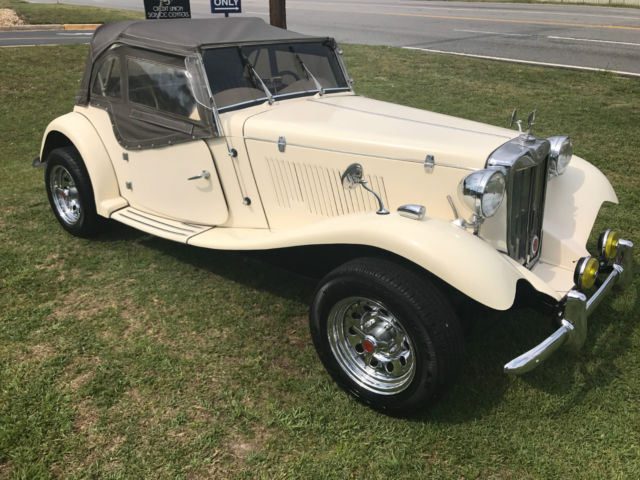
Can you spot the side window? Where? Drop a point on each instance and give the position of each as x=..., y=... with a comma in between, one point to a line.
x=162, y=87
x=107, y=81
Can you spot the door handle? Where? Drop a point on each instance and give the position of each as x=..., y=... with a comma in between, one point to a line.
x=206, y=175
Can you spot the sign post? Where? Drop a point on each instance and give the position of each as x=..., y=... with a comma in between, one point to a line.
x=277, y=13
x=226, y=6
x=161, y=9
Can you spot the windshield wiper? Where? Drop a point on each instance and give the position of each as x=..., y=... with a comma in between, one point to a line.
x=310, y=76
x=247, y=63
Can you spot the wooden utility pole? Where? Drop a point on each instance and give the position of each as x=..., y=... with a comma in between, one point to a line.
x=277, y=13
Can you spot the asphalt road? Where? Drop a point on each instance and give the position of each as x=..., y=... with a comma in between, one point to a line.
x=568, y=35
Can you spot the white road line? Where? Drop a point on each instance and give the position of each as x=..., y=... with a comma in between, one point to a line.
x=595, y=41
x=413, y=7
x=527, y=62
x=75, y=34
x=493, y=33
x=535, y=12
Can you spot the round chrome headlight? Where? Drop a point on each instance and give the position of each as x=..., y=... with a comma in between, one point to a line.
x=483, y=191
x=560, y=154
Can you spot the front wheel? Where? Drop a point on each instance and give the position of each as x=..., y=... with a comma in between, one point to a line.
x=70, y=192
x=386, y=335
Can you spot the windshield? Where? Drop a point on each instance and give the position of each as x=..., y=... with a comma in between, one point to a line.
x=238, y=76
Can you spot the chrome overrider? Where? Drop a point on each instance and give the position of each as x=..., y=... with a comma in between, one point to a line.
x=573, y=318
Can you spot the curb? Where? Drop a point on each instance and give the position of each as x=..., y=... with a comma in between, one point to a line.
x=47, y=28
x=80, y=26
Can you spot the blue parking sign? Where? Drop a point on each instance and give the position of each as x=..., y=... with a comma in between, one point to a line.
x=226, y=6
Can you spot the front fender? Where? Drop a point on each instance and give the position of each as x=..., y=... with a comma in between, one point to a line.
x=84, y=137
x=456, y=256
x=571, y=207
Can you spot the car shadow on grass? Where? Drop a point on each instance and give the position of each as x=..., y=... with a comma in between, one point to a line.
x=260, y=270
x=493, y=339
x=562, y=382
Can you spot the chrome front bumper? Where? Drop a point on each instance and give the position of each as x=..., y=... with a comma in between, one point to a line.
x=573, y=318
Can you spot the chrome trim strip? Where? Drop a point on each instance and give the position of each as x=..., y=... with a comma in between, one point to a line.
x=440, y=164
x=338, y=53
x=282, y=96
x=157, y=221
x=255, y=101
x=573, y=323
x=394, y=117
x=153, y=226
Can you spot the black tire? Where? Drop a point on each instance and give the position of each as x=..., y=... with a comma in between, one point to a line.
x=415, y=322
x=70, y=192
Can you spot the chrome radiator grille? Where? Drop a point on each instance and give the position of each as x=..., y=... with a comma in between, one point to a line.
x=525, y=162
x=525, y=209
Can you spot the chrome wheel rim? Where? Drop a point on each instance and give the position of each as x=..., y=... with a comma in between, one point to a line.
x=65, y=195
x=371, y=345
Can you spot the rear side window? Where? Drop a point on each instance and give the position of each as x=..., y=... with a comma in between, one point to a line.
x=161, y=87
x=107, y=81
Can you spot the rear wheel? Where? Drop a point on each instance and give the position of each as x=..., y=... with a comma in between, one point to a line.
x=386, y=335
x=70, y=192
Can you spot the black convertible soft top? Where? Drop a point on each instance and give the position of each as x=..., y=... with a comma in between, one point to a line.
x=182, y=37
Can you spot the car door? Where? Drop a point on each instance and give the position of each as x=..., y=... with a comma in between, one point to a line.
x=154, y=132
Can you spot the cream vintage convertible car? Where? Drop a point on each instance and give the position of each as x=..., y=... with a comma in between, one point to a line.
x=231, y=134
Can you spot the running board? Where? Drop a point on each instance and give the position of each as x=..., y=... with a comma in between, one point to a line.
x=158, y=226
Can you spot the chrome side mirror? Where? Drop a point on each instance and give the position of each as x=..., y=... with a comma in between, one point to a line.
x=353, y=176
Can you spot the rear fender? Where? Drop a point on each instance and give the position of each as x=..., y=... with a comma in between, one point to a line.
x=84, y=137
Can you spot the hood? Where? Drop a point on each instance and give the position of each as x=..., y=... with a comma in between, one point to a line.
x=356, y=124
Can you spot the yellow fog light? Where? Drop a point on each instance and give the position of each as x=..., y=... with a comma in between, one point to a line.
x=586, y=272
x=608, y=244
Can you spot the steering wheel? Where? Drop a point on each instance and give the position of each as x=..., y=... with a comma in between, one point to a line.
x=284, y=73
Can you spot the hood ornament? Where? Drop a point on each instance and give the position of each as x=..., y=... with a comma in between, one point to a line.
x=531, y=121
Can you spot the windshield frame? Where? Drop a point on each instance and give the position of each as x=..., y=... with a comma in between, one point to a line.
x=335, y=51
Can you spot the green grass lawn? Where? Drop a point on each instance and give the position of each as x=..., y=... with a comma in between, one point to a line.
x=39, y=13
x=128, y=356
